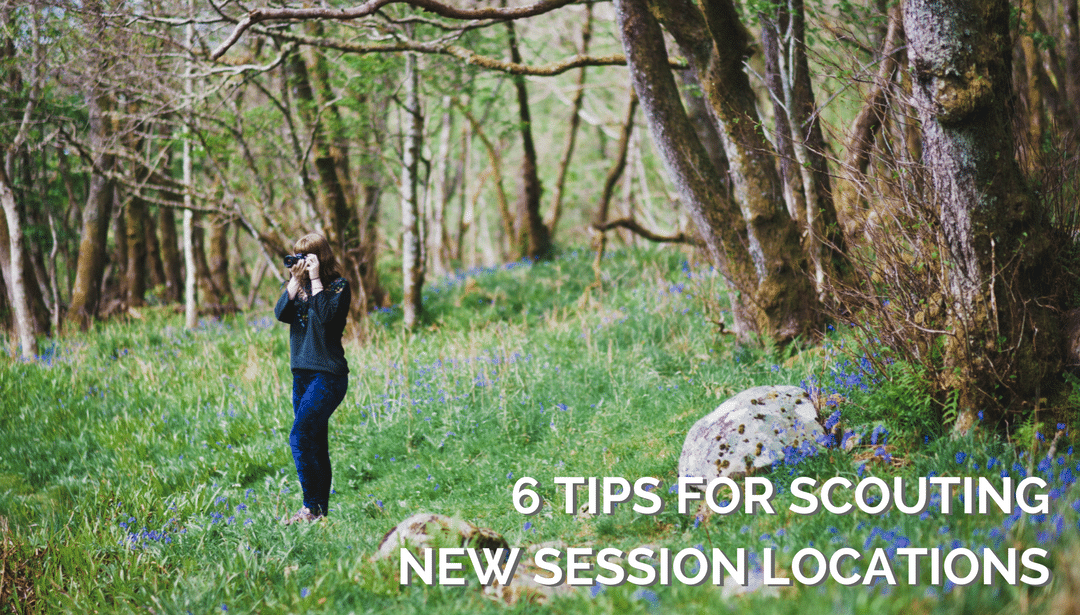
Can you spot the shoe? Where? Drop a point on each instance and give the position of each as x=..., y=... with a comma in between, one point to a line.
x=304, y=514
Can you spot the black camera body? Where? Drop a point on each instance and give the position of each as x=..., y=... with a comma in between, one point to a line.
x=292, y=259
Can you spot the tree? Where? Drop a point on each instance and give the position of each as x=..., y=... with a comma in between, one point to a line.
x=751, y=239
x=412, y=241
x=14, y=269
x=86, y=293
x=1000, y=292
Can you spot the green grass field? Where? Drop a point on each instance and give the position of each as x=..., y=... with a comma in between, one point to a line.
x=145, y=468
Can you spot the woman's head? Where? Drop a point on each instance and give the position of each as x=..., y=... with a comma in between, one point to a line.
x=314, y=243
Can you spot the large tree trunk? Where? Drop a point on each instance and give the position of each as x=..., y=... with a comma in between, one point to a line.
x=531, y=234
x=700, y=185
x=86, y=294
x=1004, y=335
x=755, y=244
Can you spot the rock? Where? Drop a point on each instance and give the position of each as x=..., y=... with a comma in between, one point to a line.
x=750, y=431
x=523, y=586
x=429, y=530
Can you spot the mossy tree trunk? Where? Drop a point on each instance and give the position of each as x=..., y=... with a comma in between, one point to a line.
x=752, y=239
x=86, y=293
x=999, y=261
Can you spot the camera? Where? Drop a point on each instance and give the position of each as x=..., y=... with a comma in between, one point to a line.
x=292, y=259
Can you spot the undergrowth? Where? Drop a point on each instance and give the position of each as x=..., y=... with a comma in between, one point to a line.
x=146, y=468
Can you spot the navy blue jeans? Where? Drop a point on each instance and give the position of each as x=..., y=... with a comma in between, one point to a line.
x=315, y=397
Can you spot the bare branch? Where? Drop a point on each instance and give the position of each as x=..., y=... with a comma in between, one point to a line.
x=237, y=69
x=368, y=8
x=632, y=225
x=466, y=55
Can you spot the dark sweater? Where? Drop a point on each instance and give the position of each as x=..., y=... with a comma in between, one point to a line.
x=315, y=327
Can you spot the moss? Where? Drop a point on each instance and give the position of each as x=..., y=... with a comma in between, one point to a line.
x=959, y=96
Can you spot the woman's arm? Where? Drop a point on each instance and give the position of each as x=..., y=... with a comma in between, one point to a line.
x=331, y=303
x=285, y=309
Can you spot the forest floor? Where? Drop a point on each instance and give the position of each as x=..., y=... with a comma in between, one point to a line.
x=145, y=468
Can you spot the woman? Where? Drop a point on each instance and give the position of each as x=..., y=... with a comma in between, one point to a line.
x=315, y=304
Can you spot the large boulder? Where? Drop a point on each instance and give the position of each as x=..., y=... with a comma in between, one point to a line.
x=750, y=431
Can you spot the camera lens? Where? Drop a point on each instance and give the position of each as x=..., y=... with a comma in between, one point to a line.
x=292, y=259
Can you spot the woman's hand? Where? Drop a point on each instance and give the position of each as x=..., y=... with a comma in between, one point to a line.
x=313, y=274
x=312, y=262
x=297, y=271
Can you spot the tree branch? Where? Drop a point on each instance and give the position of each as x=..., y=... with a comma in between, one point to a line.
x=632, y=225
x=262, y=14
x=466, y=55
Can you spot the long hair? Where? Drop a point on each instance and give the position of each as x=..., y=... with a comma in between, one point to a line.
x=314, y=243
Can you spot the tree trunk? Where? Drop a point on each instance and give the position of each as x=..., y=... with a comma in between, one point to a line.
x=213, y=299
x=155, y=265
x=119, y=258
x=170, y=249
x=1004, y=334
x=575, y=121
x=24, y=326
x=86, y=294
x=1071, y=29
x=496, y=171
x=1034, y=80
x=613, y=175
x=689, y=166
x=800, y=144
x=191, y=315
x=864, y=130
x=219, y=267
x=531, y=235
x=755, y=244
x=32, y=274
x=701, y=117
x=439, y=195
x=412, y=243
x=39, y=292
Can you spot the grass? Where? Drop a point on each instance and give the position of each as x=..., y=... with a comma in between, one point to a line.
x=145, y=468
